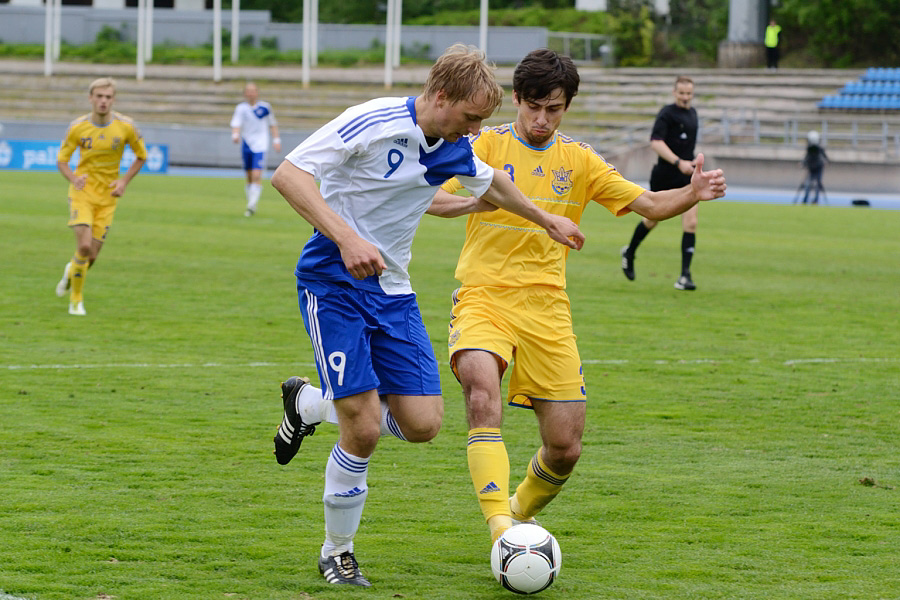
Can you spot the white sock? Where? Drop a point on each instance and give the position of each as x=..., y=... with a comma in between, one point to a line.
x=314, y=408
x=388, y=424
x=344, y=498
x=253, y=192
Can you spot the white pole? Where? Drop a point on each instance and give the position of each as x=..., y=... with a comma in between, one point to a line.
x=398, y=21
x=141, y=37
x=314, y=34
x=148, y=32
x=388, y=46
x=217, y=40
x=235, y=29
x=57, y=27
x=306, y=59
x=483, y=27
x=48, y=39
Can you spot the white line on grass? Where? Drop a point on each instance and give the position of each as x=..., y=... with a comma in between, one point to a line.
x=217, y=365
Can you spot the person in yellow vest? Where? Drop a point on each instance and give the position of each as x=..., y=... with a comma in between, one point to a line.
x=772, y=33
x=95, y=186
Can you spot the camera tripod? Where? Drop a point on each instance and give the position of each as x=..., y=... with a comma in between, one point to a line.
x=815, y=187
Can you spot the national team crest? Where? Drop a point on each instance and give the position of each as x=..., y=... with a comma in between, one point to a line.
x=562, y=181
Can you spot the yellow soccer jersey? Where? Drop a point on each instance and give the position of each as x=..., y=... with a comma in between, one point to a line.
x=101, y=153
x=503, y=249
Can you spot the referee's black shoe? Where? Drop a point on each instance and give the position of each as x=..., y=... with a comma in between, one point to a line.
x=342, y=568
x=684, y=283
x=627, y=263
x=292, y=429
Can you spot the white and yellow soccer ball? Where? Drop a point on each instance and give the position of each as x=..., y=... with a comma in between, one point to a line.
x=526, y=559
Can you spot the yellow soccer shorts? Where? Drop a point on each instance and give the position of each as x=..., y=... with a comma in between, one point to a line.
x=83, y=210
x=530, y=328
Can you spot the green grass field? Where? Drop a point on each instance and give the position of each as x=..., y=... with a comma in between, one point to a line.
x=742, y=440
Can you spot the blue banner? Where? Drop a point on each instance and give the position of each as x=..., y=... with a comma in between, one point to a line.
x=40, y=155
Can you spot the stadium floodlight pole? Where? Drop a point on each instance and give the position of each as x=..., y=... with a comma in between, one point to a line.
x=57, y=28
x=217, y=40
x=314, y=33
x=398, y=22
x=235, y=29
x=48, y=39
x=307, y=43
x=388, y=45
x=148, y=32
x=141, y=38
x=483, y=27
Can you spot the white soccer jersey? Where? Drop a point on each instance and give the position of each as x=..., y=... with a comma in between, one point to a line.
x=379, y=174
x=254, y=122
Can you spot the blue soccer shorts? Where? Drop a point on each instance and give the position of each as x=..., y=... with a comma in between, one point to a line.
x=364, y=341
x=252, y=160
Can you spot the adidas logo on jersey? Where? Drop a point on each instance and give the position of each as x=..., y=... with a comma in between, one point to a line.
x=402, y=142
x=491, y=487
x=539, y=172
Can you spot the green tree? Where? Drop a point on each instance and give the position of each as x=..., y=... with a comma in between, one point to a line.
x=844, y=33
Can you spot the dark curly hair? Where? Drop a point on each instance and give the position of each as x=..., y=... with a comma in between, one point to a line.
x=541, y=72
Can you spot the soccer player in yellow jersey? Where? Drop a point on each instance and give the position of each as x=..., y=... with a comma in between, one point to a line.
x=95, y=186
x=512, y=307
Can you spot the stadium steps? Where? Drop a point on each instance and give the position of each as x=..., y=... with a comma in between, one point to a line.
x=614, y=108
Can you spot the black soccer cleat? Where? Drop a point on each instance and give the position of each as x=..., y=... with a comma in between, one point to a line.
x=684, y=283
x=292, y=429
x=342, y=568
x=627, y=263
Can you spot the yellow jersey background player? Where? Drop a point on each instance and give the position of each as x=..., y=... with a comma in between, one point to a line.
x=512, y=308
x=95, y=186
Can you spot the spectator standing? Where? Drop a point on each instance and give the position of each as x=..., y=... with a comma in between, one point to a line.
x=773, y=32
x=814, y=162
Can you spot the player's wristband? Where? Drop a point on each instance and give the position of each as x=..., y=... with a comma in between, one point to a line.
x=677, y=160
x=276, y=141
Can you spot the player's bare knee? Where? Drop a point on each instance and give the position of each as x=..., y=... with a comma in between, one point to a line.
x=423, y=430
x=563, y=458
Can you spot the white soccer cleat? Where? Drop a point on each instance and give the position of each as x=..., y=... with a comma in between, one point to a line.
x=63, y=286
x=77, y=309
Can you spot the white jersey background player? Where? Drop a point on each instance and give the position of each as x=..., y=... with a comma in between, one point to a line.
x=380, y=164
x=251, y=123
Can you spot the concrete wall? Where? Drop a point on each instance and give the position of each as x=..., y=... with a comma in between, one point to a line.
x=80, y=25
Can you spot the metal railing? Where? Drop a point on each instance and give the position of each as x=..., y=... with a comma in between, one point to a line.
x=583, y=48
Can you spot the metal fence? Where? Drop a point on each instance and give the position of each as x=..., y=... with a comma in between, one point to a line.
x=583, y=48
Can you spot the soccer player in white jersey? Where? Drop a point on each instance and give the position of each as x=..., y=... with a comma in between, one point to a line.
x=251, y=123
x=379, y=164
x=512, y=310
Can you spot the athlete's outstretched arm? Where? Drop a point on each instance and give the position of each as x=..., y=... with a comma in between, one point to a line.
x=447, y=205
x=504, y=193
x=705, y=185
x=300, y=190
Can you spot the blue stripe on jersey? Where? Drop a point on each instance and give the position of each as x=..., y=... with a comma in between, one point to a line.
x=363, y=122
x=261, y=112
x=527, y=145
x=448, y=160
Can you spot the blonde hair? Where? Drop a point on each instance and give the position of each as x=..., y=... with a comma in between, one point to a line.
x=102, y=82
x=463, y=72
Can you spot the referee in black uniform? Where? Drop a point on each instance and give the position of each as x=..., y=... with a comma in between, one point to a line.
x=673, y=138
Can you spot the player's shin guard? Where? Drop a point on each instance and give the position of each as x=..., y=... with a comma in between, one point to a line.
x=540, y=486
x=78, y=273
x=345, y=497
x=254, y=190
x=489, y=468
x=687, y=251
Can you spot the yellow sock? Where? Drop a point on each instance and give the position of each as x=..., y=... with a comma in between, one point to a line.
x=489, y=468
x=540, y=486
x=78, y=273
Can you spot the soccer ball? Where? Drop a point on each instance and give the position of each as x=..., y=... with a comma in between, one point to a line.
x=526, y=559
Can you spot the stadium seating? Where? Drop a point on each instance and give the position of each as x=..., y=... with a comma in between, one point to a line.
x=877, y=90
